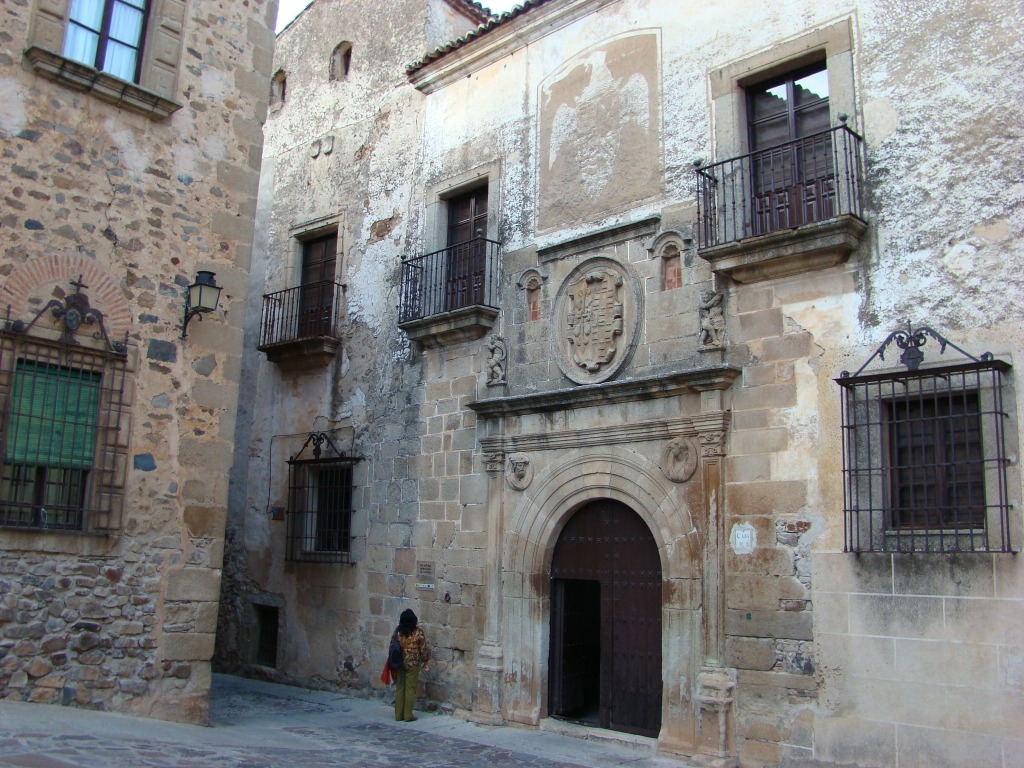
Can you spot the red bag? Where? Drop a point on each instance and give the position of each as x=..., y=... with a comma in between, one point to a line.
x=387, y=675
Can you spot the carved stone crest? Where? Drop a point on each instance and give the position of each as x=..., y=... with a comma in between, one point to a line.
x=519, y=474
x=597, y=310
x=679, y=459
x=494, y=462
x=712, y=443
x=595, y=318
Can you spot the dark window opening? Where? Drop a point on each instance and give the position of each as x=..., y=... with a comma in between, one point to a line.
x=671, y=268
x=107, y=35
x=924, y=453
x=936, y=461
x=278, y=88
x=267, y=617
x=533, y=302
x=60, y=408
x=341, y=61
x=320, y=512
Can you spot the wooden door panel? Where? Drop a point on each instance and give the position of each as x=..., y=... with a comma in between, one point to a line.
x=608, y=544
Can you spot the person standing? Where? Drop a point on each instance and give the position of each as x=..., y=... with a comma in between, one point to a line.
x=415, y=656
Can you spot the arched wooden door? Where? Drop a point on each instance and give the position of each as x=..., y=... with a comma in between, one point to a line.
x=605, y=655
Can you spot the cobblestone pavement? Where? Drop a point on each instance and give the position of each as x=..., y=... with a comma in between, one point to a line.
x=261, y=725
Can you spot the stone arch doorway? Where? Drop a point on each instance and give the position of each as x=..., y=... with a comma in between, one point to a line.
x=605, y=641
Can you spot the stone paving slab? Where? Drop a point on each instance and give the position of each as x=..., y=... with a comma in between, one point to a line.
x=261, y=725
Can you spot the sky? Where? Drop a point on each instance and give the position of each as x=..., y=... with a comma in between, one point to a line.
x=289, y=9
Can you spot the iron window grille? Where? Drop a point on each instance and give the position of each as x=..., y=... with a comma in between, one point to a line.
x=463, y=275
x=320, y=491
x=924, y=452
x=63, y=455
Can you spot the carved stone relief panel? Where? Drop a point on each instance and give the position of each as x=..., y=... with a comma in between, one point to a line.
x=598, y=313
x=679, y=459
x=519, y=474
x=712, y=319
x=599, y=130
x=497, y=354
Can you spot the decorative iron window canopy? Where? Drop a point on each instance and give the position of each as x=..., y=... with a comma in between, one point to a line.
x=322, y=448
x=925, y=462
x=910, y=341
x=74, y=312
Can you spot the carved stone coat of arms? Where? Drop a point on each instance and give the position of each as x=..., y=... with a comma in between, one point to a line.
x=595, y=318
x=597, y=311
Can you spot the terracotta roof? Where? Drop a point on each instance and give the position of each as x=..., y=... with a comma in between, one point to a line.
x=493, y=22
x=473, y=9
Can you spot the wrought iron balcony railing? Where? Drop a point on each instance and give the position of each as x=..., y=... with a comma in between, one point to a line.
x=810, y=180
x=306, y=312
x=457, y=277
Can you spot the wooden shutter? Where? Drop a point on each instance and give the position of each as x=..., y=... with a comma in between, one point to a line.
x=52, y=420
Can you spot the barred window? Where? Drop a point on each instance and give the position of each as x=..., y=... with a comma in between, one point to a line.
x=62, y=463
x=320, y=505
x=924, y=457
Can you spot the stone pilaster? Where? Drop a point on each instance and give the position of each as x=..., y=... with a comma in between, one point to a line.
x=490, y=664
x=713, y=700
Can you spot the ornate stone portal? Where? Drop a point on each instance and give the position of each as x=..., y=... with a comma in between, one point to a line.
x=598, y=311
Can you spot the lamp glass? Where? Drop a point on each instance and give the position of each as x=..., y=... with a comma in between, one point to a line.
x=204, y=293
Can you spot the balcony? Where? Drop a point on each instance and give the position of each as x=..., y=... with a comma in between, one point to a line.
x=781, y=211
x=451, y=295
x=301, y=327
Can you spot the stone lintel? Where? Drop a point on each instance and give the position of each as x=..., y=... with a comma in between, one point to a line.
x=609, y=392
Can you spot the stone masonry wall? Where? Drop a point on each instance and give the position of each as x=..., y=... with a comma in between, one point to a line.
x=124, y=620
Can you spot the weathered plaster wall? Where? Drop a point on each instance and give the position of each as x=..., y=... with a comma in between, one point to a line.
x=797, y=615
x=126, y=622
x=341, y=154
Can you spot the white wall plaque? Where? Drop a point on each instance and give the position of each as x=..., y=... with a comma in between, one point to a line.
x=743, y=538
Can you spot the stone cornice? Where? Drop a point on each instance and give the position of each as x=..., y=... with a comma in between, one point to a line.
x=709, y=427
x=481, y=50
x=607, y=393
x=601, y=238
x=131, y=96
x=660, y=429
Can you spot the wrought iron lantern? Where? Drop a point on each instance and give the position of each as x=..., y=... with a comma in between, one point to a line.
x=202, y=297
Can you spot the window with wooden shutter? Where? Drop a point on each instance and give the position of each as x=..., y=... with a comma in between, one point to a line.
x=925, y=462
x=62, y=449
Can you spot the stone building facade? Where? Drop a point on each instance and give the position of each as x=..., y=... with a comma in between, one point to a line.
x=596, y=337
x=132, y=140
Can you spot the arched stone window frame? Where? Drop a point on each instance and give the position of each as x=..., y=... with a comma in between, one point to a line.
x=671, y=244
x=532, y=283
x=278, y=89
x=341, y=61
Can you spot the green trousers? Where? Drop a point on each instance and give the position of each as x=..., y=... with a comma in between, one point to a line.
x=405, y=693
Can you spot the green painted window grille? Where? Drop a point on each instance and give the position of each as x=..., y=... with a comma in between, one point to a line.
x=49, y=446
x=53, y=416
